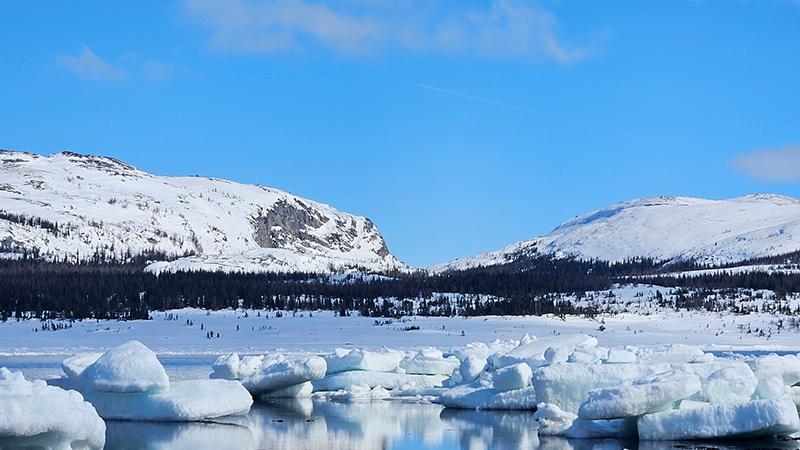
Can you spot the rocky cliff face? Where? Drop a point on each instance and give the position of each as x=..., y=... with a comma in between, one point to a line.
x=82, y=207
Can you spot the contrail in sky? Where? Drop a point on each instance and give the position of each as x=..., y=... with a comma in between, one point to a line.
x=506, y=105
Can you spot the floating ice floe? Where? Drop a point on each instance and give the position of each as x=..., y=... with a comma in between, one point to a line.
x=128, y=383
x=344, y=360
x=758, y=418
x=639, y=396
x=276, y=376
x=429, y=361
x=506, y=388
x=391, y=381
x=36, y=415
x=283, y=376
x=532, y=351
x=359, y=394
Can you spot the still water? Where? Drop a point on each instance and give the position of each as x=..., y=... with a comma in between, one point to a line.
x=320, y=424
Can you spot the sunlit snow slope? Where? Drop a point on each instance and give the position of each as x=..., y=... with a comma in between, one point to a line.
x=78, y=207
x=712, y=232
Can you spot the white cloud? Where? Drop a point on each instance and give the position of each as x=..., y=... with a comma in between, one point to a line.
x=780, y=165
x=90, y=66
x=504, y=28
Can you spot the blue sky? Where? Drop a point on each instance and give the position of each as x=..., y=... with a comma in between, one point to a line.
x=540, y=112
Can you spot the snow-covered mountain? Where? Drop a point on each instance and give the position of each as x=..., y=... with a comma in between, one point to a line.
x=711, y=232
x=74, y=207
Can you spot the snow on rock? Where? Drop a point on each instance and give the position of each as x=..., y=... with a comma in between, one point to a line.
x=635, y=397
x=730, y=385
x=343, y=360
x=753, y=419
x=282, y=373
x=47, y=416
x=128, y=368
x=787, y=367
x=429, y=361
x=386, y=380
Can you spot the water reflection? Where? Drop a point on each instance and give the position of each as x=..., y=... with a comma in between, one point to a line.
x=319, y=424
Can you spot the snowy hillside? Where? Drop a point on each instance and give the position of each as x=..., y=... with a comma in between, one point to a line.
x=711, y=232
x=77, y=207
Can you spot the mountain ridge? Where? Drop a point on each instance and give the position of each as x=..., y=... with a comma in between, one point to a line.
x=666, y=229
x=79, y=207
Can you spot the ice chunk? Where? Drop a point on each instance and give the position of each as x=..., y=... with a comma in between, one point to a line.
x=231, y=367
x=471, y=368
x=301, y=390
x=639, y=396
x=683, y=349
x=481, y=396
x=226, y=367
x=588, y=354
x=508, y=378
x=429, y=361
x=553, y=421
x=482, y=350
x=47, y=415
x=359, y=394
x=600, y=429
x=282, y=373
x=568, y=385
x=343, y=360
x=532, y=352
x=730, y=385
x=507, y=388
x=342, y=380
x=794, y=393
x=558, y=355
x=620, y=356
x=184, y=401
x=769, y=387
x=758, y=418
x=129, y=368
x=75, y=366
x=787, y=367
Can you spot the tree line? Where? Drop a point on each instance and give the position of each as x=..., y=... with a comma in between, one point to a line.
x=33, y=287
